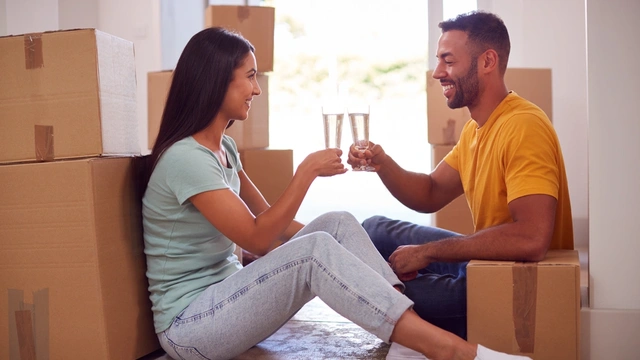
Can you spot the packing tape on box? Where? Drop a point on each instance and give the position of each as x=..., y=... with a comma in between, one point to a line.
x=243, y=13
x=43, y=135
x=33, y=58
x=28, y=325
x=525, y=283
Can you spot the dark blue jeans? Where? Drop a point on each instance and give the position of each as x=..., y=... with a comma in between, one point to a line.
x=440, y=290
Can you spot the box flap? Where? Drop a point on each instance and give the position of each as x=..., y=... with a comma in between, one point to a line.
x=553, y=258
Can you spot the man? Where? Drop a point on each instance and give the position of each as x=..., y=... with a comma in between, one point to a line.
x=508, y=164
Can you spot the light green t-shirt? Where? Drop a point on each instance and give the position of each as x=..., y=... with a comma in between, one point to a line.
x=185, y=253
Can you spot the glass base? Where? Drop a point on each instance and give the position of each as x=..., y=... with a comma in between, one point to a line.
x=364, y=168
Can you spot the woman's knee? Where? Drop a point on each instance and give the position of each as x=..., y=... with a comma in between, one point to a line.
x=316, y=241
x=338, y=216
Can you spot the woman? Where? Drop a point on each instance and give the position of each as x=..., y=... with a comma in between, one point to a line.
x=199, y=203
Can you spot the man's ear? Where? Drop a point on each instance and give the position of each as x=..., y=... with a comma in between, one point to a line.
x=488, y=61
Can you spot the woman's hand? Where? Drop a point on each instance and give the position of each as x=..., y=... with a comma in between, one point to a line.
x=324, y=163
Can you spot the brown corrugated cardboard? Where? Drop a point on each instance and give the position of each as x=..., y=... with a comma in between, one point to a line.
x=67, y=94
x=255, y=23
x=531, y=309
x=252, y=133
x=270, y=170
x=71, y=258
x=456, y=216
x=533, y=85
x=445, y=124
x=158, y=83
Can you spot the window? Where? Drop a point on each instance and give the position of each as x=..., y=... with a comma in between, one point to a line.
x=365, y=50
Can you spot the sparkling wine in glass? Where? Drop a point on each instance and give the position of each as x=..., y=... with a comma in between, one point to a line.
x=359, y=120
x=332, y=117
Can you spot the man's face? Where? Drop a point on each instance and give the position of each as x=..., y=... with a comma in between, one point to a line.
x=457, y=70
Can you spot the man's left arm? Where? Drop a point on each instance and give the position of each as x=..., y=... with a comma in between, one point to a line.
x=527, y=238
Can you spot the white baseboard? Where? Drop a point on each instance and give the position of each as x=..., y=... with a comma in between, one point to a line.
x=609, y=334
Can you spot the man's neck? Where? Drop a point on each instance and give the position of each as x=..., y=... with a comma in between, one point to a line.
x=491, y=98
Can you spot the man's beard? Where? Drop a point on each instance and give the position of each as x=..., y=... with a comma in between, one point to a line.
x=467, y=88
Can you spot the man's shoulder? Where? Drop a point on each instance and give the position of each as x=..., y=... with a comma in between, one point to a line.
x=521, y=107
x=522, y=114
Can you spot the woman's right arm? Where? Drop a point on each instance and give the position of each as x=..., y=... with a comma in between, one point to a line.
x=258, y=234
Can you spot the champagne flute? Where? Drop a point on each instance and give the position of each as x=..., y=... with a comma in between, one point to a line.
x=359, y=120
x=332, y=116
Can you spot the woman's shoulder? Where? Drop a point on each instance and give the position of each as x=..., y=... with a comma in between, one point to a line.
x=232, y=150
x=229, y=143
x=181, y=149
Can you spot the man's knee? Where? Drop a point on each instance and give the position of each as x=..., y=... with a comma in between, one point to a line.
x=372, y=224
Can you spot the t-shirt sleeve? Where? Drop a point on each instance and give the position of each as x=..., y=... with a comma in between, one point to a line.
x=530, y=158
x=193, y=172
x=452, y=158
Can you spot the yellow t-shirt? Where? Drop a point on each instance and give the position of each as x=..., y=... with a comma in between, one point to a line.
x=516, y=153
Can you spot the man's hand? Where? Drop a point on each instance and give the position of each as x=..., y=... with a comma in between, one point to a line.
x=408, y=276
x=409, y=258
x=373, y=156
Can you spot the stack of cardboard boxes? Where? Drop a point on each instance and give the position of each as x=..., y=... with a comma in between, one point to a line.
x=72, y=278
x=445, y=125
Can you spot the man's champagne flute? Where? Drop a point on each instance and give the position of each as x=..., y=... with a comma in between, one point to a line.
x=359, y=120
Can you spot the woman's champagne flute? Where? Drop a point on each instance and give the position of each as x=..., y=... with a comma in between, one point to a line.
x=332, y=116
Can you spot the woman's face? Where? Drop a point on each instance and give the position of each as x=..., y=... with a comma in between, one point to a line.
x=243, y=87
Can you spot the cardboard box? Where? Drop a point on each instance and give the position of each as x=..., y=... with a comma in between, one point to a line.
x=76, y=87
x=252, y=133
x=530, y=309
x=254, y=23
x=533, y=85
x=270, y=170
x=158, y=83
x=456, y=216
x=444, y=125
x=73, y=268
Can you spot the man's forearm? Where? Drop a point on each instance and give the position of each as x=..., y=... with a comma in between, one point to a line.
x=511, y=242
x=410, y=188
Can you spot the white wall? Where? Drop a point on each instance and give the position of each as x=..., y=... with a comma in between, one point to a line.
x=3, y=17
x=179, y=22
x=614, y=150
x=77, y=14
x=31, y=16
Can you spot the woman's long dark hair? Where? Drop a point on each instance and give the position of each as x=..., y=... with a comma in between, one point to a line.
x=200, y=81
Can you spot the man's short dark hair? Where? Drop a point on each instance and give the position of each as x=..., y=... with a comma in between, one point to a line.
x=485, y=31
